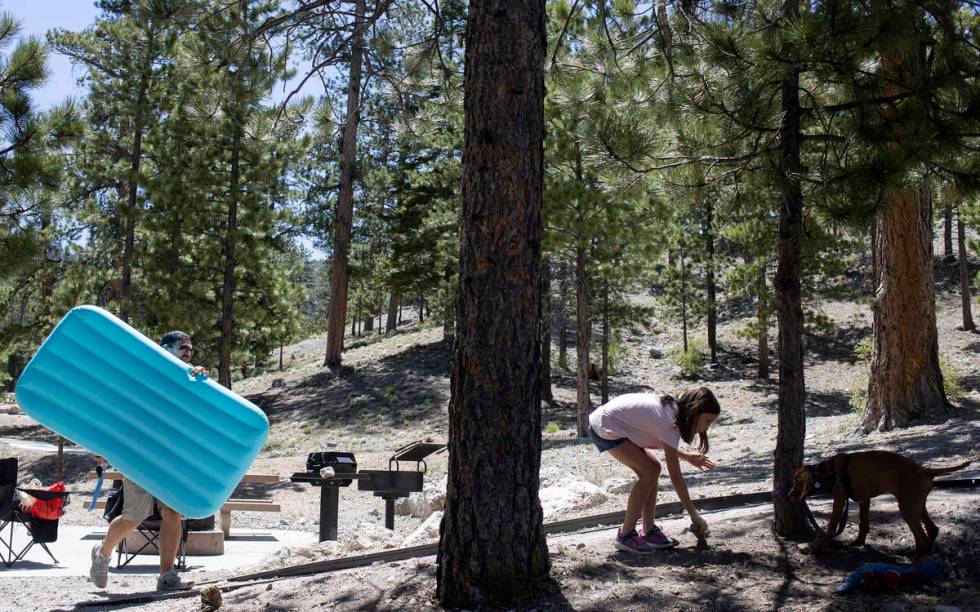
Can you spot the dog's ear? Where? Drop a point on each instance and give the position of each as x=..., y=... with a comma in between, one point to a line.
x=803, y=484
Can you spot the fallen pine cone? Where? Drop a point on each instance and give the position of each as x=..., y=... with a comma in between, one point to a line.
x=210, y=598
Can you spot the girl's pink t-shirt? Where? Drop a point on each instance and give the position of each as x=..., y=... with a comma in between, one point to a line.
x=638, y=417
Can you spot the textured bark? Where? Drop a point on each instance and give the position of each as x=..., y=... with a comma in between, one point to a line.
x=763, y=350
x=492, y=549
x=391, y=324
x=340, y=276
x=546, y=394
x=905, y=381
x=789, y=521
x=228, y=280
x=947, y=231
x=968, y=323
x=563, y=317
x=604, y=374
x=129, y=244
x=712, y=315
x=684, y=299
x=583, y=341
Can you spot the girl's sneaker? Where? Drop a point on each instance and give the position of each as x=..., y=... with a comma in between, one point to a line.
x=632, y=542
x=657, y=539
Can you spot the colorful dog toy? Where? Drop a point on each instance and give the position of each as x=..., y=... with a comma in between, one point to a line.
x=876, y=577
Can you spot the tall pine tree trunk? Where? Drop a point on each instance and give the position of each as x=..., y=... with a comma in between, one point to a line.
x=712, y=314
x=684, y=299
x=546, y=317
x=968, y=324
x=791, y=424
x=604, y=375
x=228, y=280
x=492, y=549
x=763, y=318
x=583, y=340
x=340, y=277
x=563, y=316
x=391, y=324
x=947, y=231
x=129, y=245
x=449, y=308
x=905, y=382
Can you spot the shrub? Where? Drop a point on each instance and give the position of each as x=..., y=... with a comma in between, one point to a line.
x=691, y=361
x=952, y=383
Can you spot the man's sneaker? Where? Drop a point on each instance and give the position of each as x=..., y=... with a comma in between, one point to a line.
x=658, y=539
x=632, y=542
x=99, y=571
x=172, y=582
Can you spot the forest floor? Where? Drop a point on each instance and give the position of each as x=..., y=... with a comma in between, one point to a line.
x=394, y=389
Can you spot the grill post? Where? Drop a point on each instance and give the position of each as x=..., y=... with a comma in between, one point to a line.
x=390, y=513
x=329, y=500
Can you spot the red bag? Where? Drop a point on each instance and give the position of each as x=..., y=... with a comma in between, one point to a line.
x=50, y=509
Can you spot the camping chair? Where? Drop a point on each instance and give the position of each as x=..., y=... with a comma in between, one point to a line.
x=40, y=531
x=149, y=532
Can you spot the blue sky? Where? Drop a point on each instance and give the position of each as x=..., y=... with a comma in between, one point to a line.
x=39, y=16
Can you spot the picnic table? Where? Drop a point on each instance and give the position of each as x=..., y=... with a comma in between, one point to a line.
x=232, y=505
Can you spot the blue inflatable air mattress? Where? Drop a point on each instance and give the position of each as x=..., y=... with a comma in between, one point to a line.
x=103, y=385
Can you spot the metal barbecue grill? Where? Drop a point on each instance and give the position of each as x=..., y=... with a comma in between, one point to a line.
x=332, y=470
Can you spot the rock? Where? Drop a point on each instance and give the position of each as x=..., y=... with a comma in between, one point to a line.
x=656, y=353
x=278, y=383
x=617, y=486
x=946, y=609
x=427, y=532
x=559, y=500
x=422, y=504
x=372, y=536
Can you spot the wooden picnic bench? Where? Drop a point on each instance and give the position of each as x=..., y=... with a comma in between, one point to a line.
x=232, y=505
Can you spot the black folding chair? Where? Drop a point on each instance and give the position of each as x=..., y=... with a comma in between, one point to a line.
x=40, y=531
x=149, y=534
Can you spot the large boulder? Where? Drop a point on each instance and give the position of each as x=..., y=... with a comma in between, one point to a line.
x=570, y=496
x=618, y=486
x=421, y=504
x=371, y=536
x=427, y=532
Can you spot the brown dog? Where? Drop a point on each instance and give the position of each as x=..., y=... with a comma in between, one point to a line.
x=863, y=475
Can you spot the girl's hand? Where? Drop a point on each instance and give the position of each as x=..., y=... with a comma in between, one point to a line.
x=199, y=371
x=700, y=524
x=702, y=462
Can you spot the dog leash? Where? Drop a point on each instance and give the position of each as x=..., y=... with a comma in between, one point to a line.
x=813, y=521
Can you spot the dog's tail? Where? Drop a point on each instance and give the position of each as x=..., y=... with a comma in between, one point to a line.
x=940, y=471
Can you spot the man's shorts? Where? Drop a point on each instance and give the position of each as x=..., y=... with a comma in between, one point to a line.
x=137, y=503
x=603, y=444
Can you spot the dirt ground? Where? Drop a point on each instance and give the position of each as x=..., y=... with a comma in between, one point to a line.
x=395, y=390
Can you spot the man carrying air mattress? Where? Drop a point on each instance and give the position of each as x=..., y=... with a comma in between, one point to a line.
x=138, y=504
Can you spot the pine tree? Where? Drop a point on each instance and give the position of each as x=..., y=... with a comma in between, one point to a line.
x=31, y=168
x=495, y=403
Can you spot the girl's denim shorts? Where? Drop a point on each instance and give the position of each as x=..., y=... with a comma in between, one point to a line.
x=601, y=443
